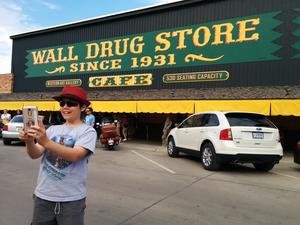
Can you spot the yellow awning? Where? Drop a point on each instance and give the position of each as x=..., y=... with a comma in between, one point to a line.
x=175, y=106
x=257, y=106
x=11, y=105
x=114, y=106
x=56, y=106
x=42, y=106
x=285, y=107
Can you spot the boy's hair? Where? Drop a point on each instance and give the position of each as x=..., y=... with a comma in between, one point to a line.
x=82, y=114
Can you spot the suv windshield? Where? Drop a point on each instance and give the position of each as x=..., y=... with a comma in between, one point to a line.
x=248, y=119
x=17, y=119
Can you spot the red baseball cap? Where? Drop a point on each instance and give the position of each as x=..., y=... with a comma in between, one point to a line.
x=75, y=93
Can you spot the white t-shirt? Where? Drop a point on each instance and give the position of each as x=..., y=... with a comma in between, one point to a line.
x=58, y=179
x=5, y=118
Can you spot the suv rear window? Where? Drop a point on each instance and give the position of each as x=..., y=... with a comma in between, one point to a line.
x=248, y=120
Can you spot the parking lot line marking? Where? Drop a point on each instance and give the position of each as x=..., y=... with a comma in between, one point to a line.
x=156, y=163
x=285, y=175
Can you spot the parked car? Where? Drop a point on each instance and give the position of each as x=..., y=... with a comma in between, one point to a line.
x=10, y=131
x=219, y=137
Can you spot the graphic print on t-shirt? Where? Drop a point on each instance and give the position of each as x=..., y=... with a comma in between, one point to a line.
x=54, y=165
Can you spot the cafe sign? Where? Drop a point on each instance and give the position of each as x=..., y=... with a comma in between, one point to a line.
x=235, y=40
x=121, y=80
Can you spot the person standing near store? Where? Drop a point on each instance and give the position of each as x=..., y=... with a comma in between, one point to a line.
x=124, y=126
x=166, y=130
x=59, y=197
x=89, y=118
x=5, y=117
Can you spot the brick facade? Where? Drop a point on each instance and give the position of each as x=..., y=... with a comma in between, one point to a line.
x=6, y=83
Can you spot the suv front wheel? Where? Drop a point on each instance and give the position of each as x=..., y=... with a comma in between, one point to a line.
x=209, y=158
x=172, y=149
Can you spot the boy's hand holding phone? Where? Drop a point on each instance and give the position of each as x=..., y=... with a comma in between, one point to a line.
x=39, y=133
x=24, y=136
x=33, y=127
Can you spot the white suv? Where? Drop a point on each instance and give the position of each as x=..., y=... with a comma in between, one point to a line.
x=219, y=137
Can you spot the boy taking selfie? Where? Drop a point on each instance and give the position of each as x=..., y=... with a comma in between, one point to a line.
x=59, y=197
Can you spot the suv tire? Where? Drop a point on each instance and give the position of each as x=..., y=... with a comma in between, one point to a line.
x=171, y=148
x=264, y=167
x=209, y=158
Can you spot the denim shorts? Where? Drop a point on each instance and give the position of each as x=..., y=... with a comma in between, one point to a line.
x=58, y=213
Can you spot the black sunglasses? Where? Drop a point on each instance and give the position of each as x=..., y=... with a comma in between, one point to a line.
x=69, y=103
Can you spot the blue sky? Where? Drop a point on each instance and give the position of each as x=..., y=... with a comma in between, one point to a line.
x=18, y=16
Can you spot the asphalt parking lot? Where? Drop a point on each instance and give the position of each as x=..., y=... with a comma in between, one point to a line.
x=139, y=184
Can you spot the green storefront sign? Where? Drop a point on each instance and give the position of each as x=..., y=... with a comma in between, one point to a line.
x=297, y=34
x=247, y=39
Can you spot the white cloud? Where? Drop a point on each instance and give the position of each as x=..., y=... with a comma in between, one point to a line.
x=13, y=21
x=13, y=6
x=50, y=5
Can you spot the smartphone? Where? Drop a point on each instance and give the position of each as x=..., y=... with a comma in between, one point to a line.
x=30, y=116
